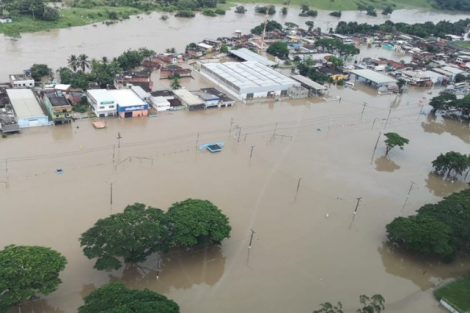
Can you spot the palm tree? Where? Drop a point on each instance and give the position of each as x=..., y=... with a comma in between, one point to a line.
x=83, y=61
x=114, y=67
x=73, y=62
x=175, y=82
x=105, y=60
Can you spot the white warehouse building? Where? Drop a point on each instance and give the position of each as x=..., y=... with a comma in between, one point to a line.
x=248, y=80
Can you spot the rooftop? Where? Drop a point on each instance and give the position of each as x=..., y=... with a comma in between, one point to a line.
x=250, y=56
x=57, y=99
x=222, y=96
x=249, y=74
x=374, y=76
x=189, y=98
x=101, y=96
x=140, y=91
x=20, y=77
x=24, y=103
x=126, y=97
x=308, y=82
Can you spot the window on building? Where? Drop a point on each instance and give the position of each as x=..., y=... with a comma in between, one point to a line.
x=111, y=106
x=101, y=107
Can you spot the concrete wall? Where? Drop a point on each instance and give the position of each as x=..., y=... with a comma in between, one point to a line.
x=33, y=121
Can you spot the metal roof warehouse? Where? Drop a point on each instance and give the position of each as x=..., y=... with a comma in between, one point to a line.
x=376, y=78
x=27, y=108
x=250, y=56
x=248, y=79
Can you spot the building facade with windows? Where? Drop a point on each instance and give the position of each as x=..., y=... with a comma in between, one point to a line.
x=102, y=102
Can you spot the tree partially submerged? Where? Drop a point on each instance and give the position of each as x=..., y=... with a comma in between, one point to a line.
x=196, y=222
x=26, y=271
x=394, y=140
x=115, y=297
x=422, y=234
x=435, y=228
x=279, y=49
x=451, y=163
x=374, y=304
x=128, y=237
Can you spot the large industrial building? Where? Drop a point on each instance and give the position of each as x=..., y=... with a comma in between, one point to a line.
x=248, y=80
x=27, y=108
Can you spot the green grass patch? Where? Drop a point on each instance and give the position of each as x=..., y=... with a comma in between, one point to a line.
x=69, y=17
x=463, y=44
x=457, y=292
x=345, y=5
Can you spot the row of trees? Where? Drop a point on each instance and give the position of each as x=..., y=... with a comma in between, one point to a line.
x=129, y=237
x=140, y=231
x=452, y=163
x=448, y=103
x=37, y=9
x=438, y=230
x=455, y=5
x=419, y=29
x=101, y=71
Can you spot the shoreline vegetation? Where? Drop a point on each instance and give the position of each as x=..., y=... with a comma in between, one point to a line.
x=86, y=12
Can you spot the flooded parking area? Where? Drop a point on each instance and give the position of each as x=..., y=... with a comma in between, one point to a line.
x=308, y=246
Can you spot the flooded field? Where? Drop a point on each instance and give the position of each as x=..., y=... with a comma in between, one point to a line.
x=308, y=246
x=55, y=46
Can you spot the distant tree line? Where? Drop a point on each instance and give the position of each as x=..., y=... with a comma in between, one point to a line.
x=270, y=25
x=37, y=9
x=101, y=71
x=454, y=5
x=419, y=29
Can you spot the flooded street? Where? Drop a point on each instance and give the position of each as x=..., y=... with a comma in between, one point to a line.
x=55, y=46
x=308, y=248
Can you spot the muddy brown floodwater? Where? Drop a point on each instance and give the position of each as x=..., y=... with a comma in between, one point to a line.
x=308, y=246
x=55, y=46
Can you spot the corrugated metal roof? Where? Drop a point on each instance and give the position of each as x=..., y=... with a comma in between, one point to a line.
x=250, y=56
x=307, y=81
x=249, y=74
x=189, y=98
x=25, y=103
x=374, y=76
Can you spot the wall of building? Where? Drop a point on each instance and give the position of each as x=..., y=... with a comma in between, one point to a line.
x=22, y=83
x=140, y=113
x=33, y=121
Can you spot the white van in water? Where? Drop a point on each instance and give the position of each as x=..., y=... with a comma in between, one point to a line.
x=349, y=84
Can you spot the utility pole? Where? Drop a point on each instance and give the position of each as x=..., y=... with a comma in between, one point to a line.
x=363, y=108
x=239, y=133
x=231, y=123
x=388, y=116
x=119, y=140
x=251, y=153
x=111, y=194
x=6, y=172
x=251, y=239
x=375, y=148
x=408, y=195
x=357, y=204
x=298, y=184
x=197, y=139
x=114, y=151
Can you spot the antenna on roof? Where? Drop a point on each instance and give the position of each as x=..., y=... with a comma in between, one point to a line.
x=264, y=34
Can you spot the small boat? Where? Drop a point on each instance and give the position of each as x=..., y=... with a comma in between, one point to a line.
x=212, y=147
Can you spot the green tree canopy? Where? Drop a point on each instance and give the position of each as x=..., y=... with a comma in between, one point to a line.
x=335, y=61
x=131, y=236
x=117, y=298
x=224, y=49
x=270, y=25
x=443, y=102
x=388, y=10
x=394, y=140
x=336, y=46
x=422, y=234
x=39, y=71
x=450, y=162
x=26, y=271
x=193, y=222
x=454, y=211
x=240, y=9
x=279, y=49
x=374, y=304
x=175, y=82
